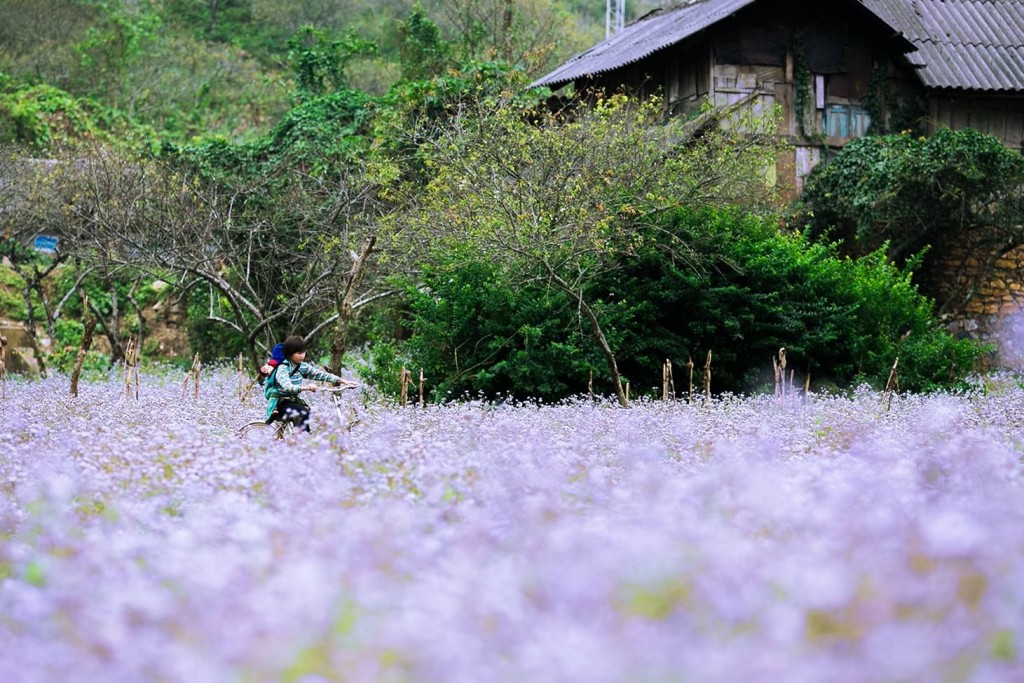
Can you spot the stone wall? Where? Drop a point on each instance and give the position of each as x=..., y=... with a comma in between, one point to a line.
x=993, y=311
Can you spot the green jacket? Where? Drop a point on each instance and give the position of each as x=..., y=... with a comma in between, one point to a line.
x=285, y=380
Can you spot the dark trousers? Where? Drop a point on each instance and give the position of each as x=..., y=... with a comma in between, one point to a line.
x=294, y=412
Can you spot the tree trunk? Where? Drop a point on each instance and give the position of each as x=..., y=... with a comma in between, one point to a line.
x=606, y=349
x=339, y=343
x=595, y=326
x=213, y=6
x=30, y=328
x=506, y=31
x=110, y=328
x=90, y=327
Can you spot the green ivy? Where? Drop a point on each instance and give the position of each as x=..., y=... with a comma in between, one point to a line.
x=319, y=61
x=803, y=85
x=911, y=192
x=904, y=115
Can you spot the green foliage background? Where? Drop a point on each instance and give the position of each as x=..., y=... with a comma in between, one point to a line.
x=280, y=104
x=192, y=69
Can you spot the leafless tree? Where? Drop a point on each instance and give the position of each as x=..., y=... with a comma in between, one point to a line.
x=299, y=263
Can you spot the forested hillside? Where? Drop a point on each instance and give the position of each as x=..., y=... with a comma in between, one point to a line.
x=222, y=67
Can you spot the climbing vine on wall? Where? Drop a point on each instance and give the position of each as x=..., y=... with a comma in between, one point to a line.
x=803, y=83
x=889, y=112
x=874, y=100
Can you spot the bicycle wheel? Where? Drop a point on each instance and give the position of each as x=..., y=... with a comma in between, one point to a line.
x=261, y=431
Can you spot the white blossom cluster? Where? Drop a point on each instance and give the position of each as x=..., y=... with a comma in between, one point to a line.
x=746, y=539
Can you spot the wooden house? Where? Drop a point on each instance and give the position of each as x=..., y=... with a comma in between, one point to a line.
x=839, y=70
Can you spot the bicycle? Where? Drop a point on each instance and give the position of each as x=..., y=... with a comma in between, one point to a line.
x=258, y=429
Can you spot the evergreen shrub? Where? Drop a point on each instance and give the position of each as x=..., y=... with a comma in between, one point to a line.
x=762, y=288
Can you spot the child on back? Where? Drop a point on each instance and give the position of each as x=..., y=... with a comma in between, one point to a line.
x=276, y=358
x=285, y=383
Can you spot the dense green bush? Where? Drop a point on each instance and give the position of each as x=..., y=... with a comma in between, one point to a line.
x=380, y=367
x=66, y=344
x=908, y=193
x=843, y=320
x=473, y=335
x=12, y=305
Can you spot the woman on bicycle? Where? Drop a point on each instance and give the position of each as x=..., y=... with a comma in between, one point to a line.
x=285, y=383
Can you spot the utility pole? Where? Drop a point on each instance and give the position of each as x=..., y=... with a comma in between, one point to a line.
x=614, y=17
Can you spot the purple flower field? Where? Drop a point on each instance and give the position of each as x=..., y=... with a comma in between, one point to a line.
x=745, y=540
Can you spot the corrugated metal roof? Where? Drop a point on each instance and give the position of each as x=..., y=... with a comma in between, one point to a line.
x=961, y=44
x=653, y=32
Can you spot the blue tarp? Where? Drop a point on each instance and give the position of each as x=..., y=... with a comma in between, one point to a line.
x=45, y=243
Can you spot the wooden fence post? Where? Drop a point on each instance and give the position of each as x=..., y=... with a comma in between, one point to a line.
x=689, y=364
x=893, y=385
x=779, y=366
x=241, y=379
x=131, y=369
x=668, y=387
x=193, y=375
x=707, y=378
x=404, y=380
x=3, y=367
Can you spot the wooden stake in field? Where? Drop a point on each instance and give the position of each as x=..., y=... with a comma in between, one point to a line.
x=590, y=385
x=404, y=380
x=892, y=386
x=193, y=375
x=422, y=403
x=668, y=387
x=90, y=328
x=249, y=381
x=689, y=364
x=779, y=366
x=707, y=378
x=242, y=379
x=807, y=384
x=3, y=367
x=131, y=369
x=245, y=381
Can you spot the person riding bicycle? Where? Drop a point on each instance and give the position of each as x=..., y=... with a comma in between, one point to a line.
x=285, y=383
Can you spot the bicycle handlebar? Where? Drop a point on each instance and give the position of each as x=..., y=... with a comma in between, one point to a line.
x=339, y=389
